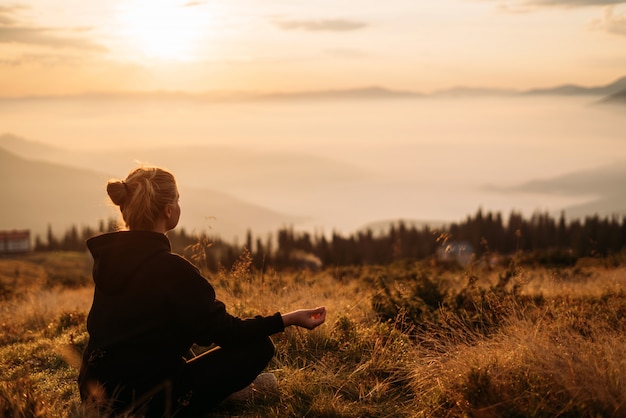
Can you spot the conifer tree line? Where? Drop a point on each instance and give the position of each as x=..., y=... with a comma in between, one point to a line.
x=72, y=239
x=546, y=239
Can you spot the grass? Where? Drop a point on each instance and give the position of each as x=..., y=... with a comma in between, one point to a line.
x=411, y=339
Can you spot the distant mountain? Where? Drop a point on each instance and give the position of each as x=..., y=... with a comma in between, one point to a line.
x=616, y=98
x=573, y=89
x=603, y=207
x=358, y=93
x=22, y=146
x=373, y=92
x=602, y=186
x=251, y=176
x=602, y=181
x=473, y=91
x=37, y=194
x=367, y=92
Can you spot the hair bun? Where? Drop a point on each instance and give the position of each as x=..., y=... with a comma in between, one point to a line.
x=118, y=191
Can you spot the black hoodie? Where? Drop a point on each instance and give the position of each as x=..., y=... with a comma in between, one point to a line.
x=149, y=307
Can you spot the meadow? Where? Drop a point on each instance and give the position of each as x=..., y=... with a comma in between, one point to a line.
x=409, y=339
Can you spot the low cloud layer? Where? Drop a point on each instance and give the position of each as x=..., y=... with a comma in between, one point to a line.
x=611, y=22
x=194, y=3
x=6, y=15
x=525, y=6
x=331, y=25
x=528, y=5
x=573, y=3
x=44, y=37
x=12, y=31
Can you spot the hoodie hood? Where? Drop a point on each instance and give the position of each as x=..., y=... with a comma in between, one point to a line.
x=118, y=255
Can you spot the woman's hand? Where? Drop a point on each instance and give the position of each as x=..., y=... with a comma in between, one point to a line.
x=305, y=318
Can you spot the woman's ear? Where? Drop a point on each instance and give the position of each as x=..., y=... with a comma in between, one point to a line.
x=167, y=211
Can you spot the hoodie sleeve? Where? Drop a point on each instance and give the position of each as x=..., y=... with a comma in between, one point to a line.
x=205, y=320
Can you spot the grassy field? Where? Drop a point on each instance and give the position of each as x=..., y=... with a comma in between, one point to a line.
x=412, y=339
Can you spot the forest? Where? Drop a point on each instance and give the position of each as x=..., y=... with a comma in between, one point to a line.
x=542, y=239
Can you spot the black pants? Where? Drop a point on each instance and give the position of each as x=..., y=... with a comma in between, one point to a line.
x=203, y=383
x=209, y=378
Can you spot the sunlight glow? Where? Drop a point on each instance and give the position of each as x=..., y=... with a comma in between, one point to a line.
x=165, y=29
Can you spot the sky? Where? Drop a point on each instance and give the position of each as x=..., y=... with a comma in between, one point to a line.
x=68, y=47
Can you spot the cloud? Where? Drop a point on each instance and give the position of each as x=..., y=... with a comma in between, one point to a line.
x=346, y=53
x=46, y=60
x=611, y=23
x=11, y=31
x=6, y=13
x=573, y=3
x=194, y=3
x=44, y=37
x=525, y=6
x=331, y=25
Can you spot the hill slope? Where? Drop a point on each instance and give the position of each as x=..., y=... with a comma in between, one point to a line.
x=38, y=194
x=234, y=171
x=294, y=183
x=616, y=98
x=573, y=89
x=603, y=186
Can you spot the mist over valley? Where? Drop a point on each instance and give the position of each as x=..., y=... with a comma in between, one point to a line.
x=322, y=165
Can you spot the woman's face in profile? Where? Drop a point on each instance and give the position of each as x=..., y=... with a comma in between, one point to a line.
x=175, y=214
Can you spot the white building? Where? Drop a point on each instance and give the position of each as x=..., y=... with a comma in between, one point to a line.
x=13, y=242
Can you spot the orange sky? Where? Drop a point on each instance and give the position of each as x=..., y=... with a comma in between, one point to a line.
x=75, y=46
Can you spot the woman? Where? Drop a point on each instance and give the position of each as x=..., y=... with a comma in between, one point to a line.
x=151, y=305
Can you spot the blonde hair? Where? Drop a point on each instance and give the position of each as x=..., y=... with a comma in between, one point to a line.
x=143, y=195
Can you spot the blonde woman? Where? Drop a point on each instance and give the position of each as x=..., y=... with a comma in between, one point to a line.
x=151, y=305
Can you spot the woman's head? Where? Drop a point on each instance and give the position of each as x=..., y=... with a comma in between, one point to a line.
x=147, y=198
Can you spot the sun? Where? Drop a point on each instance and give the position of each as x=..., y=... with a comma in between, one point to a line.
x=165, y=29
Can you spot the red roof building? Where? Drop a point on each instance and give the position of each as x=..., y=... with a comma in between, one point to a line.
x=13, y=242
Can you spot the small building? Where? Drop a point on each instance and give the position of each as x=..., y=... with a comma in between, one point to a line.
x=14, y=242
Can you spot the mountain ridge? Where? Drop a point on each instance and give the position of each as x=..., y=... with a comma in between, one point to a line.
x=364, y=92
x=575, y=89
x=616, y=98
x=600, y=186
x=234, y=171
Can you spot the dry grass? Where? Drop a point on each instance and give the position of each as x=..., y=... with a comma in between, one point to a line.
x=527, y=369
x=539, y=343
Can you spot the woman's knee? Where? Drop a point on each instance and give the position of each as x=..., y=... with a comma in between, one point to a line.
x=262, y=351
x=266, y=348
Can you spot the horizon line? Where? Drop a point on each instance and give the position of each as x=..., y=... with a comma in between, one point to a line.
x=367, y=91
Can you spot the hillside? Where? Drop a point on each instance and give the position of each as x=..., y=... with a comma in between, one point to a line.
x=602, y=186
x=234, y=171
x=38, y=193
x=616, y=98
x=573, y=89
x=42, y=193
x=609, y=206
x=297, y=184
x=602, y=181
